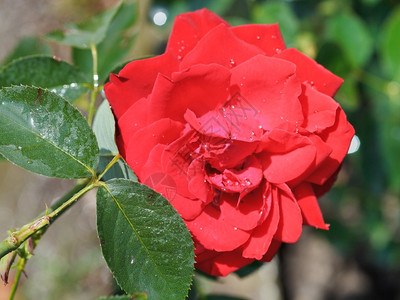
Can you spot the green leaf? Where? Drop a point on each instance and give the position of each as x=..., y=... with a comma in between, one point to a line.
x=104, y=129
x=352, y=35
x=28, y=46
x=86, y=34
x=41, y=132
x=278, y=12
x=390, y=48
x=114, y=48
x=45, y=72
x=144, y=240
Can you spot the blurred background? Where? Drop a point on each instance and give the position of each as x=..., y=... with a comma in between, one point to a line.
x=358, y=258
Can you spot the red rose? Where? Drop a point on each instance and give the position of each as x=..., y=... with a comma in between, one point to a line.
x=239, y=133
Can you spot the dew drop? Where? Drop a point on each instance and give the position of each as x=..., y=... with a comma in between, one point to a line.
x=132, y=261
x=273, y=36
x=277, y=50
x=201, y=228
x=281, y=118
x=258, y=37
x=253, y=133
x=232, y=62
x=179, y=57
x=251, y=139
x=248, y=182
x=241, y=84
x=234, y=137
x=260, y=127
x=234, y=228
x=19, y=148
x=233, y=106
x=153, y=135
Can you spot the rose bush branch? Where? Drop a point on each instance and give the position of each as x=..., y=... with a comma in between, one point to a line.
x=96, y=89
x=16, y=238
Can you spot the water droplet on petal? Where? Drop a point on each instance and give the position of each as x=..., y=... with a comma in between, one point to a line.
x=258, y=37
x=273, y=36
x=19, y=148
x=277, y=50
x=232, y=62
x=234, y=228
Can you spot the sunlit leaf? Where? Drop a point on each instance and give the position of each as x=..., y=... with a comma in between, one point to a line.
x=45, y=72
x=41, y=132
x=144, y=240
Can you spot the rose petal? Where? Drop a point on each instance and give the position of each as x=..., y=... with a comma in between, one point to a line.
x=155, y=176
x=320, y=190
x=223, y=263
x=242, y=181
x=297, y=156
x=211, y=124
x=270, y=85
x=189, y=28
x=132, y=120
x=233, y=52
x=247, y=213
x=319, y=109
x=214, y=233
x=323, y=152
x=201, y=89
x=136, y=80
x=309, y=206
x=163, y=131
x=261, y=237
x=290, y=222
x=273, y=248
x=266, y=37
x=339, y=138
x=310, y=71
x=198, y=185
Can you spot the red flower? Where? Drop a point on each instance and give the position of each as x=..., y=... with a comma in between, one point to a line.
x=239, y=133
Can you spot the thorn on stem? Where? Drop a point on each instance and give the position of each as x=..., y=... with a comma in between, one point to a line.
x=39, y=96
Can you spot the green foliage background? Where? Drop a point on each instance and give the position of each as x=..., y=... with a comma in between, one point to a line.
x=358, y=40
